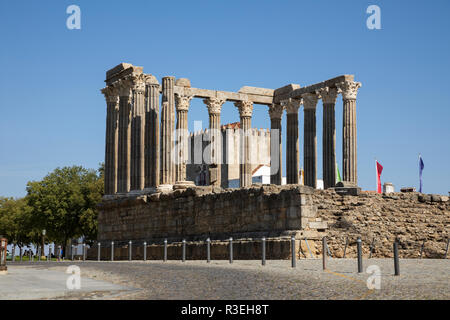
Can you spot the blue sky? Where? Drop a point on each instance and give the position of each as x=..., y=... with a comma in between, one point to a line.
x=53, y=114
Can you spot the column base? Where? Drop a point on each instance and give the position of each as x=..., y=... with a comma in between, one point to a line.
x=183, y=185
x=165, y=188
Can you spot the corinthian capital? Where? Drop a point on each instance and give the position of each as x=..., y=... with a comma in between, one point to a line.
x=291, y=105
x=125, y=86
x=182, y=102
x=245, y=108
x=310, y=100
x=276, y=111
x=328, y=95
x=111, y=94
x=349, y=89
x=138, y=82
x=214, y=105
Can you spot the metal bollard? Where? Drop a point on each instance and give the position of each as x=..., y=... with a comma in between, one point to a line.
x=59, y=253
x=165, y=250
x=372, y=246
x=359, y=249
x=130, y=250
x=446, y=250
x=112, y=250
x=72, y=253
x=345, y=248
x=49, y=253
x=99, y=251
x=145, y=250
x=208, y=250
x=231, y=250
x=396, y=261
x=421, y=249
x=293, y=252
x=84, y=251
x=183, y=258
x=324, y=253
x=263, y=251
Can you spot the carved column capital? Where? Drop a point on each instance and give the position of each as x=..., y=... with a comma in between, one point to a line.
x=150, y=80
x=111, y=94
x=349, y=89
x=276, y=111
x=328, y=95
x=310, y=100
x=125, y=86
x=182, y=102
x=138, y=82
x=214, y=105
x=291, y=105
x=245, y=108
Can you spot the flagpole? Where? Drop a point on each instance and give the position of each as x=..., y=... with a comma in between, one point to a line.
x=376, y=175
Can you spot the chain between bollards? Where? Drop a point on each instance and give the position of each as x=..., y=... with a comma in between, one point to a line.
x=359, y=251
x=293, y=258
x=183, y=258
x=263, y=262
x=145, y=250
x=231, y=249
x=396, y=261
x=165, y=250
x=208, y=250
x=324, y=253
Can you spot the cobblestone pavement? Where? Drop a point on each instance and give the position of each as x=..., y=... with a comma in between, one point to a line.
x=247, y=279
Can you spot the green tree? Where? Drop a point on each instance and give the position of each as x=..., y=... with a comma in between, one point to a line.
x=16, y=222
x=64, y=203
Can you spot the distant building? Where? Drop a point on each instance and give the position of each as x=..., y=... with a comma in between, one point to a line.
x=388, y=187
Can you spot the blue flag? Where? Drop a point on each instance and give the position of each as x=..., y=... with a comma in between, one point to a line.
x=421, y=166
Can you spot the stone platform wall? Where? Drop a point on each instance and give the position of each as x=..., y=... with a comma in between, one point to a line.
x=413, y=217
x=196, y=213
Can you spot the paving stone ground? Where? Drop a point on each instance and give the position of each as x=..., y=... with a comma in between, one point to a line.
x=247, y=279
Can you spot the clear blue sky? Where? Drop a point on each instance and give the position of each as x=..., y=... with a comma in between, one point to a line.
x=53, y=114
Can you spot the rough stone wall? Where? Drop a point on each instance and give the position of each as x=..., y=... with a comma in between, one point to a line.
x=196, y=213
x=412, y=217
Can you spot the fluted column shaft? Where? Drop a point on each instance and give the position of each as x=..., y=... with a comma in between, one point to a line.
x=152, y=146
x=138, y=134
x=167, y=129
x=349, y=158
x=329, y=136
x=214, y=106
x=310, y=142
x=182, y=107
x=245, y=167
x=292, y=145
x=124, y=149
x=111, y=139
x=276, y=159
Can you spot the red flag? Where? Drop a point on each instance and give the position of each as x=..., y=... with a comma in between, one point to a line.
x=379, y=170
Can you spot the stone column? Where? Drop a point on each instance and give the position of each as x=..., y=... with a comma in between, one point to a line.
x=137, y=133
x=349, y=90
x=245, y=167
x=124, y=150
x=310, y=142
x=152, y=133
x=276, y=157
x=168, y=174
x=182, y=107
x=328, y=96
x=111, y=144
x=292, y=155
x=214, y=106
